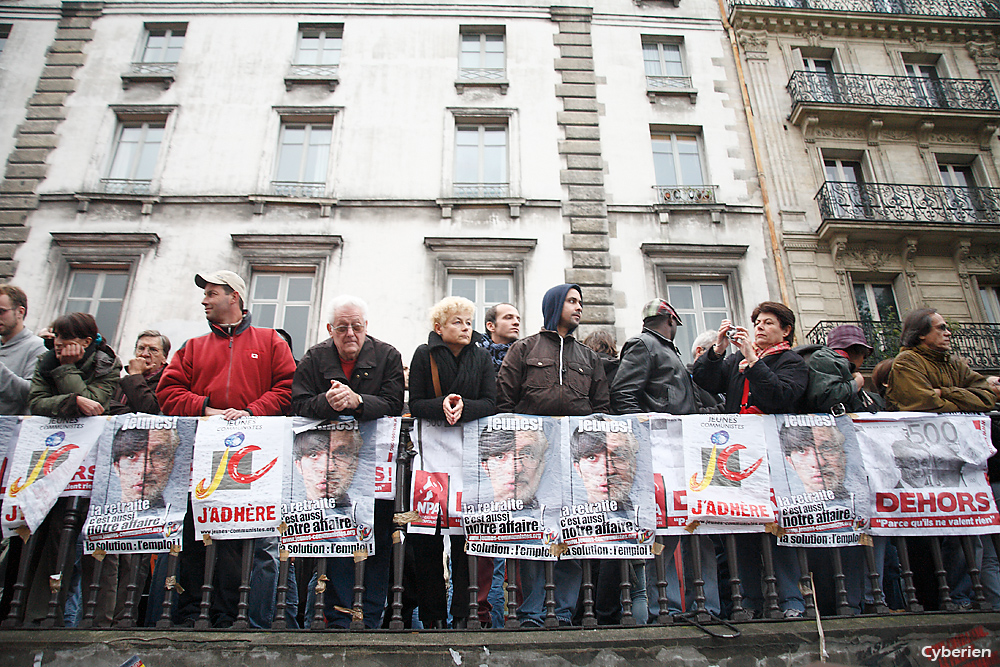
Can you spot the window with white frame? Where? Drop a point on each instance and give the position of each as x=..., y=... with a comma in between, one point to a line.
x=134, y=160
x=677, y=158
x=319, y=44
x=702, y=305
x=664, y=64
x=163, y=44
x=100, y=292
x=303, y=158
x=481, y=160
x=484, y=290
x=875, y=301
x=990, y=296
x=482, y=57
x=283, y=300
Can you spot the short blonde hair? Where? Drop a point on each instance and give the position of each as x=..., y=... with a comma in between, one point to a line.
x=444, y=309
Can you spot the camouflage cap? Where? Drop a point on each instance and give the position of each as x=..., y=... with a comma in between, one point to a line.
x=658, y=307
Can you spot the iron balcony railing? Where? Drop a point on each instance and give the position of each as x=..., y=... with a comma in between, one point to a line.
x=894, y=202
x=976, y=342
x=481, y=190
x=892, y=91
x=970, y=9
x=125, y=186
x=296, y=189
x=685, y=194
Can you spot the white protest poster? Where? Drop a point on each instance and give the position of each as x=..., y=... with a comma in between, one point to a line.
x=512, y=486
x=927, y=473
x=328, y=490
x=50, y=453
x=386, y=444
x=141, y=484
x=725, y=461
x=237, y=476
x=609, y=507
x=436, y=480
x=9, y=429
x=819, y=481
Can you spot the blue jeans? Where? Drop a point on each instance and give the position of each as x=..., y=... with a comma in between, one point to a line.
x=991, y=567
x=495, y=597
x=568, y=578
x=751, y=569
x=709, y=573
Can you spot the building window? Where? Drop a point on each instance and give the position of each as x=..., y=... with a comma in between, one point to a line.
x=481, y=161
x=990, y=295
x=665, y=70
x=317, y=55
x=876, y=302
x=137, y=147
x=702, y=306
x=482, y=59
x=4, y=34
x=846, y=196
x=484, y=290
x=283, y=301
x=163, y=44
x=100, y=293
x=303, y=157
x=677, y=159
x=925, y=80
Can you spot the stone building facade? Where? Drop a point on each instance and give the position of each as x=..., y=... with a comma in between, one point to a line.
x=397, y=151
x=878, y=120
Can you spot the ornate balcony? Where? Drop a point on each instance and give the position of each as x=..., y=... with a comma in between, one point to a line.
x=299, y=190
x=684, y=195
x=327, y=75
x=893, y=202
x=125, y=186
x=969, y=9
x=481, y=190
x=482, y=77
x=657, y=86
x=162, y=73
x=976, y=342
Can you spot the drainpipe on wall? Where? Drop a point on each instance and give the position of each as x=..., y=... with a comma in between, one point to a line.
x=761, y=178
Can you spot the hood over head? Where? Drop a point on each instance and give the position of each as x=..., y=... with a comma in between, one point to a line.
x=552, y=304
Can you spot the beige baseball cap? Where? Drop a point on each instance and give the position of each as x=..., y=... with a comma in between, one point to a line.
x=222, y=278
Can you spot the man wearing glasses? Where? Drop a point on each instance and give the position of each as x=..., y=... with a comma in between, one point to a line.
x=353, y=375
x=137, y=390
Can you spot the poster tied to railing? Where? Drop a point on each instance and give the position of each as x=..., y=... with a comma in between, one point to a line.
x=436, y=481
x=386, y=445
x=609, y=508
x=52, y=456
x=512, y=486
x=237, y=476
x=819, y=481
x=141, y=483
x=927, y=473
x=725, y=462
x=328, y=489
x=666, y=439
x=9, y=428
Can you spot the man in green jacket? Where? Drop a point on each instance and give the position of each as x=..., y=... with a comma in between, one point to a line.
x=834, y=378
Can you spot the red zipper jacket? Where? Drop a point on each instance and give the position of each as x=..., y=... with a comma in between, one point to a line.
x=239, y=367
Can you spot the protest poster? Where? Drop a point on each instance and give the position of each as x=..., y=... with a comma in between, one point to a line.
x=386, y=443
x=237, y=476
x=50, y=455
x=141, y=484
x=725, y=462
x=512, y=486
x=328, y=489
x=609, y=510
x=927, y=473
x=436, y=480
x=9, y=428
x=819, y=481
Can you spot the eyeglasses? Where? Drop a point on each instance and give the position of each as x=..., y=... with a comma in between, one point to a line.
x=139, y=349
x=357, y=328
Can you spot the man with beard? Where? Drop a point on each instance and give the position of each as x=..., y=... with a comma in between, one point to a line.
x=816, y=454
x=606, y=464
x=327, y=461
x=514, y=462
x=143, y=461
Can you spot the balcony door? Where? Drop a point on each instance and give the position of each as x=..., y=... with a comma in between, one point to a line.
x=961, y=199
x=845, y=186
x=926, y=86
x=822, y=83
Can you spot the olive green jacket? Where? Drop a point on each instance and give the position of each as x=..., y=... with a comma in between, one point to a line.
x=54, y=387
x=918, y=371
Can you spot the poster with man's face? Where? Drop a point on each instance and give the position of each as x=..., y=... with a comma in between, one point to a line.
x=141, y=482
x=329, y=489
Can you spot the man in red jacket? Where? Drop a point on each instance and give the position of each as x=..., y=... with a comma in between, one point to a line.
x=235, y=371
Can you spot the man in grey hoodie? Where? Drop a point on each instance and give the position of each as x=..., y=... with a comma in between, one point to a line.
x=19, y=350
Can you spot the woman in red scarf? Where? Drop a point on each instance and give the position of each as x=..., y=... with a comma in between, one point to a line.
x=764, y=377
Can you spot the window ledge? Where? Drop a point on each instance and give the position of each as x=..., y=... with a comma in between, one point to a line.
x=161, y=73
x=145, y=201
x=260, y=202
x=501, y=84
x=117, y=242
x=670, y=86
x=308, y=75
x=448, y=204
x=477, y=244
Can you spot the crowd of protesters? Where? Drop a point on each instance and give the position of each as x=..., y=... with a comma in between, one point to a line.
x=239, y=370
